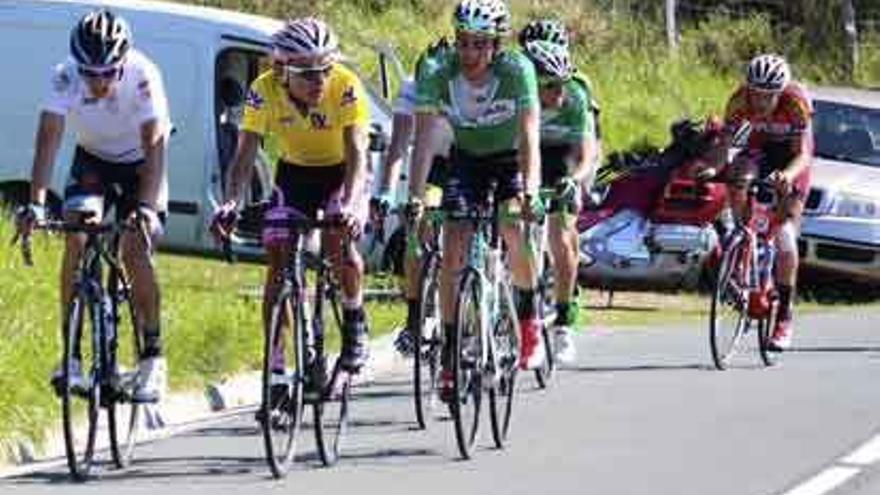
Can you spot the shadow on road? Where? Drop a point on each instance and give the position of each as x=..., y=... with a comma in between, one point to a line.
x=834, y=349
x=641, y=367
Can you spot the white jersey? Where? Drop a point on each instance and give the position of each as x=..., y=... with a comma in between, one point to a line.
x=109, y=128
x=405, y=104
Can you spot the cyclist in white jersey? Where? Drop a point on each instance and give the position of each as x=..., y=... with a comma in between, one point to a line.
x=402, y=132
x=114, y=98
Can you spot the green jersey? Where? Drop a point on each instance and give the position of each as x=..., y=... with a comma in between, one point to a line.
x=485, y=118
x=571, y=122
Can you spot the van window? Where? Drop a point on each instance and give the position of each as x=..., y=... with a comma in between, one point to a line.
x=236, y=69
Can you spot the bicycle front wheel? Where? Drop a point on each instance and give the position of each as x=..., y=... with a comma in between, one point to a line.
x=281, y=409
x=505, y=350
x=428, y=343
x=728, y=316
x=331, y=405
x=124, y=428
x=80, y=399
x=467, y=364
x=544, y=374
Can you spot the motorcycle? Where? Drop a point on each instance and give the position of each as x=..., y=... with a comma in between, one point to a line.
x=656, y=226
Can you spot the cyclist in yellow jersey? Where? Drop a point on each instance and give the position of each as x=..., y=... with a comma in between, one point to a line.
x=315, y=110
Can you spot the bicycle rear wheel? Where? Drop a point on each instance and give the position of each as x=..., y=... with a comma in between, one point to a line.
x=728, y=318
x=79, y=439
x=331, y=405
x=505, y=350
x=123, y=429
x=428, y=343
x=281, y=409
x=467, y=364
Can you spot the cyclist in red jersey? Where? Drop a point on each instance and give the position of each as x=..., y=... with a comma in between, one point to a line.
x=779, y=114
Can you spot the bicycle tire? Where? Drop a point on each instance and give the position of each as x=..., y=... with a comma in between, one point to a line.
x=505, y=352
x=428, y=343
x=81, y=312
x=283, y=415
x=331, y=409
x=723, y=351
x=122, y=452
x=544, y=374
x=467, y=364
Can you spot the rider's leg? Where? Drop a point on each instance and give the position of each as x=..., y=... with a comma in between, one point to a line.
x=349, y=267
x=563, y=251
x=523, y=263
x=787, y=262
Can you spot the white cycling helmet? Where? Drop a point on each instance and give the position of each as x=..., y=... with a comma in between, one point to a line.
x=544, y=30
x=550, y=59
x=768, y=72
x=490, y=17
x=100, y=39
x=305, y=37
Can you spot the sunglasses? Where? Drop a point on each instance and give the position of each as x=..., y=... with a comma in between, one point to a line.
x=90, y=73
x=311, y=74
x=551, y=83
x=477, y=44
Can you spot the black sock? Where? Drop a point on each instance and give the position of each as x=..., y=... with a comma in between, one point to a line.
x=354, y=318
x=526, y=303
x=785, y=301
x=563, y=313
x=152, y=343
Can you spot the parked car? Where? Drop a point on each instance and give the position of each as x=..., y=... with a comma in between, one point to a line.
x=841, y=227
x=208, y=57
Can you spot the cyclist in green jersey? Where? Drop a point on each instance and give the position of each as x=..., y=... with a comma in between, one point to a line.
x=489, y=95
x=567, y=150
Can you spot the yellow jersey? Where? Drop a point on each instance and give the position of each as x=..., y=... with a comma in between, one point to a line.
x=315, y=139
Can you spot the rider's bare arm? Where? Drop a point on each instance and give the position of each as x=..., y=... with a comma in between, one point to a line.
x=48, y=140
x=529, y=149
x=355, y=139
x=153, y=142
x=583, y=157
x=242, y=165
x=403, y=126
x=426, y=128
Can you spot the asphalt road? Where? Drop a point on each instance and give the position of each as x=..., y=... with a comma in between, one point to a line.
x=641, y=413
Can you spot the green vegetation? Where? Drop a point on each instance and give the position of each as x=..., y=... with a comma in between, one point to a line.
x=642, y=86
x=210, y=323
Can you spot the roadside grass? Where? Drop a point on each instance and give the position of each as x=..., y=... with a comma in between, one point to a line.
x=640, y=309
x=210, y=325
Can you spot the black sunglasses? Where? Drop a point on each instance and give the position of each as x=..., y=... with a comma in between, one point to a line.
x=90, y=73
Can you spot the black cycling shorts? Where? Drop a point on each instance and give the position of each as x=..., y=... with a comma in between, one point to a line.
x=95, y=184
x=309, y=189
x=470, y=178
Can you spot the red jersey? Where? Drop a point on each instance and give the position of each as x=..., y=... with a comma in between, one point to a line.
x=790, y=122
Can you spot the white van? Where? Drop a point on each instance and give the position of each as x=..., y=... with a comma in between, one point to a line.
x=207, y=57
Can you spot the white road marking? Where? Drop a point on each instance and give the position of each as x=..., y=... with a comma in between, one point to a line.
x=867, y=454
x=825, y=481
x=842, y=471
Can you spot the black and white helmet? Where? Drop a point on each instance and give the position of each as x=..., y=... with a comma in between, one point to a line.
x=768, y=72
x=550, y=59
x=308, y=36
x=100, y=38
x=490, y=17
x=544, y=30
